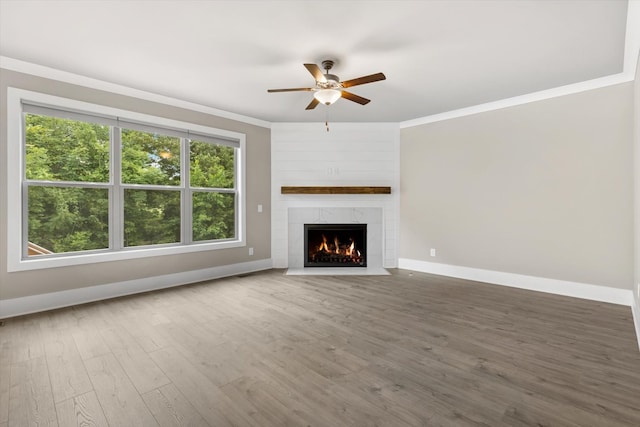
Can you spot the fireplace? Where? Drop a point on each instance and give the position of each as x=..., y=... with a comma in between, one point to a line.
x=335, y=245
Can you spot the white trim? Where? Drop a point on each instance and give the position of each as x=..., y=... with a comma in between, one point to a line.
x=14, y=178
x=42, y=302
x=76, y=79
x=539, y=284
x=632, y=38
x=631, y=49
x=16, y=96
x=635, y=311
x=337, y=271
x=522, y=99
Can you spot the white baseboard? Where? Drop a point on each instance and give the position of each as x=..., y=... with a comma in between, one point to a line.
x=36, y=303
x=540, y=284
x=635, y=310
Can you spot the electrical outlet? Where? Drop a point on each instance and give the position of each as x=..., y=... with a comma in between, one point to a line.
x=433, y=251
x=250, y=251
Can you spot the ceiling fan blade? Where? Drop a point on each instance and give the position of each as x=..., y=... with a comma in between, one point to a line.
x=296, y=89
x=355, y=98
x=366, y=79
x=314, y=102
x=316, y=72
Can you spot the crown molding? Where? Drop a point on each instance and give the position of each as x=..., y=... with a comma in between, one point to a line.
x=520, y=100
x=76, y=79
x=632, y=39
x=631, y=58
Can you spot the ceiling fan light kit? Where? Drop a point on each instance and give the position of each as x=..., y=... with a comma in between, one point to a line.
x=329, y=89
x=327, y=96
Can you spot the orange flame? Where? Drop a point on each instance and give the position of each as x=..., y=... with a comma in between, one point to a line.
x=351, y=248
x=344, y=250
x=323, y=245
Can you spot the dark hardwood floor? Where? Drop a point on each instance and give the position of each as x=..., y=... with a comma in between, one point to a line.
x=268, y=349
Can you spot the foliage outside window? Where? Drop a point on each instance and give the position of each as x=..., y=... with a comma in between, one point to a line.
x=95, y=183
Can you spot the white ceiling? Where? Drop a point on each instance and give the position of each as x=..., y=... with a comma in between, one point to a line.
x=437, y=55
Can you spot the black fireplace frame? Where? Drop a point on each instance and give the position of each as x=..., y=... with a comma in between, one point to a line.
x=335, y=227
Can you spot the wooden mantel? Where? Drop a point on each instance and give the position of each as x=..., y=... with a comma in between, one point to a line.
x=335, y=190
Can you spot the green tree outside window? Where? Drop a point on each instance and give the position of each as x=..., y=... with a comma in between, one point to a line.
x=70, y=182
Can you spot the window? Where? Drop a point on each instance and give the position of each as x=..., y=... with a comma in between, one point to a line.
x=97, y=184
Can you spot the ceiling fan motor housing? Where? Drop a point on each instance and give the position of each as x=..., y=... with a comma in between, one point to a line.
x=332, y=82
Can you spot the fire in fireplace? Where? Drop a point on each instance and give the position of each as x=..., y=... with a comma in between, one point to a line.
x=335, y=245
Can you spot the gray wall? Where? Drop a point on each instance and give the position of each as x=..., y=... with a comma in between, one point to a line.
x=543, y=189
x=19, y=284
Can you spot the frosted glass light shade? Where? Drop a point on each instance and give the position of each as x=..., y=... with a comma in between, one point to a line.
x=327, y=96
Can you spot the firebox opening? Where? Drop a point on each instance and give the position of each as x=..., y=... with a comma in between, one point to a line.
x=335, y=245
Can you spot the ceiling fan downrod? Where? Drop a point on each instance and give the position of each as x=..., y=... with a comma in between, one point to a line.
x=332, y=81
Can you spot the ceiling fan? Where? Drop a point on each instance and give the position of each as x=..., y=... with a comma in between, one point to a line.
x=329, y=88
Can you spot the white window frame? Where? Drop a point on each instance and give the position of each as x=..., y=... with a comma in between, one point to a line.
x=15, y=164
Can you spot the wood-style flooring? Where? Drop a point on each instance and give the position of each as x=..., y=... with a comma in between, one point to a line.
x=267, y=349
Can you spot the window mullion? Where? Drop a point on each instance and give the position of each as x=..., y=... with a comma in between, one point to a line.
x=215, y=190
x=116, y=222
x=66, y=184
x=187, y=199
x=236, y=187
x=25, y=220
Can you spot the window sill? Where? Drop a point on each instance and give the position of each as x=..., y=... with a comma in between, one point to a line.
x=36, y=263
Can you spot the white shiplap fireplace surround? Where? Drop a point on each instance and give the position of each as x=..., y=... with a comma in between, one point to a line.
x=350, y=154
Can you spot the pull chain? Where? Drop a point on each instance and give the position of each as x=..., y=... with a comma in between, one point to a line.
x=326, y=118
